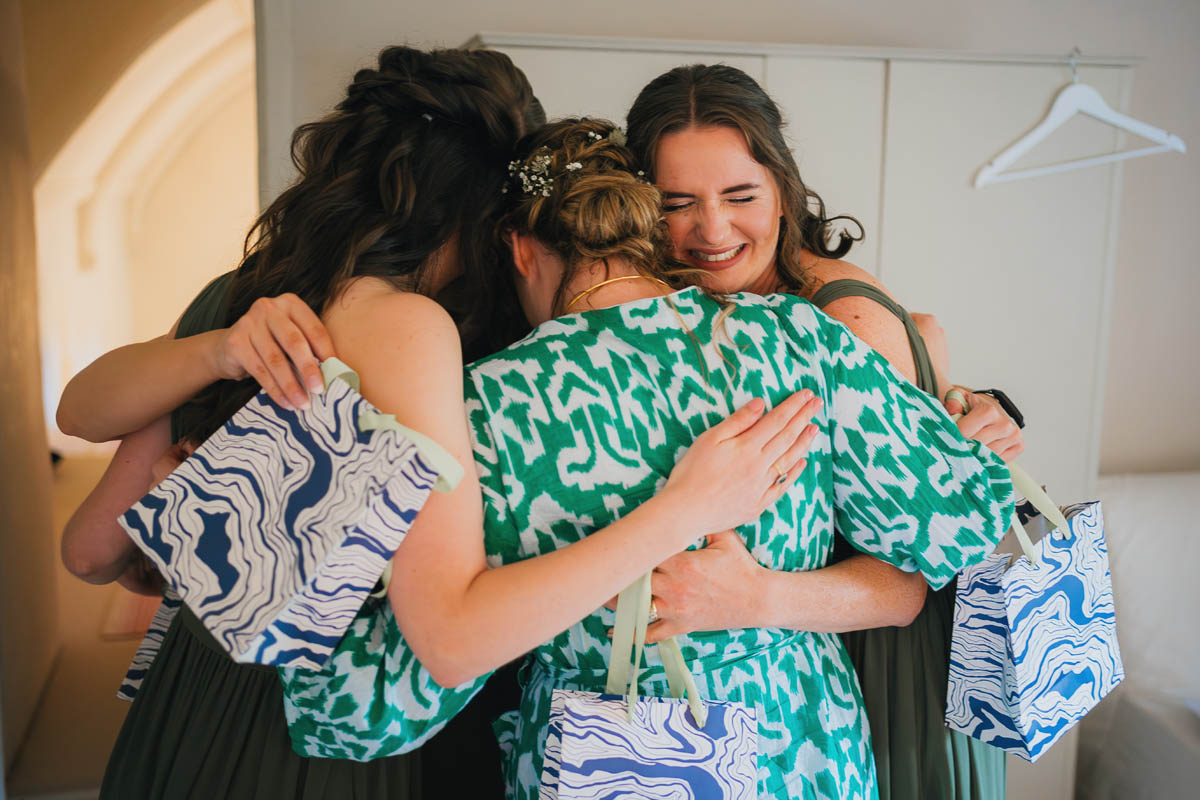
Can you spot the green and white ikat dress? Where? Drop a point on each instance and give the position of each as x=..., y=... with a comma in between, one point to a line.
x=582, y=420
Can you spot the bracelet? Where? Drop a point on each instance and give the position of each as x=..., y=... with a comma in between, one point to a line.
x=1006, y=403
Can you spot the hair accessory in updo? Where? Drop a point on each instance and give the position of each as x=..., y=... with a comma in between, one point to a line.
x=533, y=173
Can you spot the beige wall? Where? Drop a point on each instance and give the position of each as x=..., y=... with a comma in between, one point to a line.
x=75, y=50
x=28, y=616
x=309, y=49
x=188, y=223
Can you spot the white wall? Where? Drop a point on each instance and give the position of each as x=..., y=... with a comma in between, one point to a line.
x=310, y=48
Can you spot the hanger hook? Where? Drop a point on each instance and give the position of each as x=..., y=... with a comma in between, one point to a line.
x=1071, y=59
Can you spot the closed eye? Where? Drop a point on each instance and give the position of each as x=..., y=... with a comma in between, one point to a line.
x=742, y=200
x=676, y=205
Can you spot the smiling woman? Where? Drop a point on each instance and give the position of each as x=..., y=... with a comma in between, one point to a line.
x=723, y=212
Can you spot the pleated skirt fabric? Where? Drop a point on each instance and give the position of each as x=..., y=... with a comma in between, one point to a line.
x=903, y=673
x=203, y=726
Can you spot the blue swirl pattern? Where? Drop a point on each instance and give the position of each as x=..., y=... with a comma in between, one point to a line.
x=593, y=751
x=151, y=644
x=1035, y=648
x=277, y=528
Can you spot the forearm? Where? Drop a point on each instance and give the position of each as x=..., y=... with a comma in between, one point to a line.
x=858, y=593
x=507, y=611
x=94, y=547
x=127, y=388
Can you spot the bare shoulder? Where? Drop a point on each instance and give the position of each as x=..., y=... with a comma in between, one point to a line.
x=827, y=270
x=867, y=319
x=383, y=302
x=406, y=351
x=371, y=315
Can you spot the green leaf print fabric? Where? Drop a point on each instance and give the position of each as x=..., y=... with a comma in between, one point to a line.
x=582, y=420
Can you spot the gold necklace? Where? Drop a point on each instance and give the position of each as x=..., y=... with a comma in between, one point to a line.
x=602, y=284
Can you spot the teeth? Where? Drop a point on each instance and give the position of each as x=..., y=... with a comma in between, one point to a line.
x=710, y=257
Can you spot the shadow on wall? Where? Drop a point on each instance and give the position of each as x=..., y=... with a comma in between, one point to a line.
x=150, y=197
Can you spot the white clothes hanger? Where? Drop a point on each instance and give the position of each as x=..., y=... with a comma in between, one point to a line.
x=1075, y=98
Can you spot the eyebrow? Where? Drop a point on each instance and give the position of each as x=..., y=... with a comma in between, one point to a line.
x=741, y=187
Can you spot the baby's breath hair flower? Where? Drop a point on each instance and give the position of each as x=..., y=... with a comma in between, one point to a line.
x=574, y=165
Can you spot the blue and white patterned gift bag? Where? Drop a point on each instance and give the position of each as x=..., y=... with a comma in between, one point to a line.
x=624, y=746
x=276, y=529
x=594, y=751
x=151, y=644
x=1035, y=646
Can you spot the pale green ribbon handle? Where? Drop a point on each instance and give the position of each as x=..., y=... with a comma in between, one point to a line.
x=1024, y=484
x=629, y=631
x=449, y=471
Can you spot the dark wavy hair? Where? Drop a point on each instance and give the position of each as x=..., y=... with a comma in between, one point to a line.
x=719, y=95
x=413, y=158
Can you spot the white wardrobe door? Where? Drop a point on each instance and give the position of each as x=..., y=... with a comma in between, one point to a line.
x=604, y=83
x=1017, y=272
x=834, y=114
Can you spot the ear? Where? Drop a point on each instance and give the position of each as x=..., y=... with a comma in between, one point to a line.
x=522, y=252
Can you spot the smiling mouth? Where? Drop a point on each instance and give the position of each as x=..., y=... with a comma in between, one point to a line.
x=717, y=258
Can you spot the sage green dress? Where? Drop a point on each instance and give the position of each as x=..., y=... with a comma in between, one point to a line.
x=203, y=726
x=903, y=671
x=582, y=420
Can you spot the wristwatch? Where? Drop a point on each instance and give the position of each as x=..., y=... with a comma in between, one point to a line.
x=1006, y=403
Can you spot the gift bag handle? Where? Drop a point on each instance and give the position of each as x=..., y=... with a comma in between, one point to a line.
x=629, y=631
x=449, y=471
x=1029, y=488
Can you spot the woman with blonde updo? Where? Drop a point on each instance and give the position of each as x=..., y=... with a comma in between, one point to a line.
x=580, y=419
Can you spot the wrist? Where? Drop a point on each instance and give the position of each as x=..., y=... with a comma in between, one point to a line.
x=681, y=515
x=211, y=344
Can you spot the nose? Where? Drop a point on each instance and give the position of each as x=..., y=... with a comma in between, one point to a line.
x=713, y=224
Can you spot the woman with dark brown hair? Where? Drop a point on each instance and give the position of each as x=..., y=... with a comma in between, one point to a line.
x=379, y=204
x=712, y=140
x=396, y=202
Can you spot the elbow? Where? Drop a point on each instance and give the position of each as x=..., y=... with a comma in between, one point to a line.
x=449, y=665
x=85, y=567
x=909, y=601
x=66, y=423
x=445, y=652
x=73, y=426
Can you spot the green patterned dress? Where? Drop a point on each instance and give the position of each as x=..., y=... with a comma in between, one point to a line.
x=582, y=420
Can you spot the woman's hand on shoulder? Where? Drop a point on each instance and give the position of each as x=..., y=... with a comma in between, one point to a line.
x=276, y=340
x=985, y=421
x=744, y=464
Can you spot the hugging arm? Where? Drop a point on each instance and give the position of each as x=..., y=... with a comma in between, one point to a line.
x=128, y=388
x=461, y=618
x=724, y=587
x=94, y=547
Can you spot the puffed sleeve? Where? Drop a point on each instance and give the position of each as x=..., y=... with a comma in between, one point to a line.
x=499, y=525
x=908, y=487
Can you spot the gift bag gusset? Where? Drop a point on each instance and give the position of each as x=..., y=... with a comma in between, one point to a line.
x=151, y=644
x=1034, y=645
x=616, y=744
x=276, y=529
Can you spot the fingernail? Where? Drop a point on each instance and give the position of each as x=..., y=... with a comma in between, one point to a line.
x=819, y=402
x=303, y=405
x=756, y=404
x=316, y=386
x=806, y=395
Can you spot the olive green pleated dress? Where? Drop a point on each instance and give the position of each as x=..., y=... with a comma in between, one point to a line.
x=203, y=726
x=903, y=671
